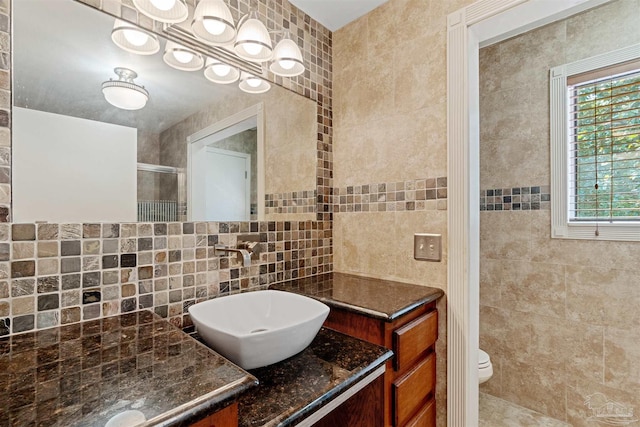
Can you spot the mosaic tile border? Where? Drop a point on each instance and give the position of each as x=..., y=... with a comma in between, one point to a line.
x=53, y=274
x=516, y=198
x=414, y=195
x=291, y=202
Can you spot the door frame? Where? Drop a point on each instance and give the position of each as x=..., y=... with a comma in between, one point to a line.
x=255, y=111
x=480, y=24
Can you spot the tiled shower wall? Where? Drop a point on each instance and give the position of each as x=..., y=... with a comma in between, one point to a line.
x=559, y=318
x=53, y=274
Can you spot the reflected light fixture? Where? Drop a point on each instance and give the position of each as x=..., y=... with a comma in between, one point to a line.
x=252, y=84
x=182, y=58
x=124, y=93
x=253, y=41
x=287, y=58
x=219, y=72
x=169, y=11
x=213, y=23
x=133, y=39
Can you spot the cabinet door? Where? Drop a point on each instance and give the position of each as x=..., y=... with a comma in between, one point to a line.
x=424, y=418
x=411, y=341
x=414, y=390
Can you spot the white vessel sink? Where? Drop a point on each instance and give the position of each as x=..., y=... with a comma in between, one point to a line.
x=256, y=329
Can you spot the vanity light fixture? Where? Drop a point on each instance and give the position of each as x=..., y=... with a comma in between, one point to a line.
x=124, y=93
x=213, y=23
x=287, y=58
x=219, y=72
x=133, y=39
x=252, y=84
x=182, y=58
x=253, y=41
x=169, y=11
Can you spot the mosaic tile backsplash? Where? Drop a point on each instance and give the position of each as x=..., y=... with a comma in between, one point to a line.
x=52, y=274
x=294, y=202
x=516, y=199
x=413, y=195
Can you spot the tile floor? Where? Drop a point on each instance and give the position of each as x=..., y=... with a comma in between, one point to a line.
x=495, y=412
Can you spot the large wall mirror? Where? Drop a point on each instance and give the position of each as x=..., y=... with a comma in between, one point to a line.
x=196, y=151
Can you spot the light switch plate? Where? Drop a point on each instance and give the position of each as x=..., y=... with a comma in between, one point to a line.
x=427, y=247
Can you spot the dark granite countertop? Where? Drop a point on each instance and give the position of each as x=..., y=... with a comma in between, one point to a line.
x=84, y=374
x=291, y=390
x=381, y=299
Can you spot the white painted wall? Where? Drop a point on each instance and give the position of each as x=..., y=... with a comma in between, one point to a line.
x=67, y=169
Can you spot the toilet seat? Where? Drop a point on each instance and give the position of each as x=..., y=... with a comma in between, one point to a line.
x=483, y=359
x=485, y=368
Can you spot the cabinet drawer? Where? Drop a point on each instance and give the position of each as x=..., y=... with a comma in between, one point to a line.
x=413, y=390
x=425, y=418
x=413, y=339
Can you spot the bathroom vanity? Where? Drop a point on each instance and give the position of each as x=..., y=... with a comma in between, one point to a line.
x=125, y=367
x=399, y=316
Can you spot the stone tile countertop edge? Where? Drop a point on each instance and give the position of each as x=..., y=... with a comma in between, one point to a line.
x=292, y=390
x=86, y=373
x=377, y=298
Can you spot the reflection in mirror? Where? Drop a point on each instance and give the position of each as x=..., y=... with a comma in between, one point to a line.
x=78, y=158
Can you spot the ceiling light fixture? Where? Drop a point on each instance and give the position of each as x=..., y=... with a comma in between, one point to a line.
x=133, y=39
x=252, y=84
x=219, y=72
x=124, y=93
x=169, y=11
x=253, y=42
x=213, y=23
x=182, y=58
x=287, y=58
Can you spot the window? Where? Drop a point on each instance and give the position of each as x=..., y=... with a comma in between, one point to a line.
x=595, y=147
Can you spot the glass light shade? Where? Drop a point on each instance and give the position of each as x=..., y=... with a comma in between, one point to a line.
x=253, y=42
x=133, y=39
x=287, y=58
x=213, y=23
x=252, y=84
x=169, y=11
x=219, y=72
x=163, y=4
x=124, y=93
x=182, y=58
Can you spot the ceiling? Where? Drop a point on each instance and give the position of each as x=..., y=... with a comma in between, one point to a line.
x=334, y=14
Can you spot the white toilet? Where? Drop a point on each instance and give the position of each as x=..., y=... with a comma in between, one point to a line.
x=485, y=368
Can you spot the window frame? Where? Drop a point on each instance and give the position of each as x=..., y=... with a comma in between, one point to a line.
x=561, y=226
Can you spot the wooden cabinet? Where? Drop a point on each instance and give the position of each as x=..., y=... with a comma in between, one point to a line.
x=410, y=378
x=227, y=417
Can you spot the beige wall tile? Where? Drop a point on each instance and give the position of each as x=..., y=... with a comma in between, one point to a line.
x=532, y=287
x=490, y=282
x=603, y=296
x=536, y=386
x=505, y=235
x=622, y=353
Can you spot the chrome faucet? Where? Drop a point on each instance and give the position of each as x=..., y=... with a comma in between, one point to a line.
x=243, y=254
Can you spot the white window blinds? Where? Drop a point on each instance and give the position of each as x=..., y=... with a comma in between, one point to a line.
x=604, y=144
